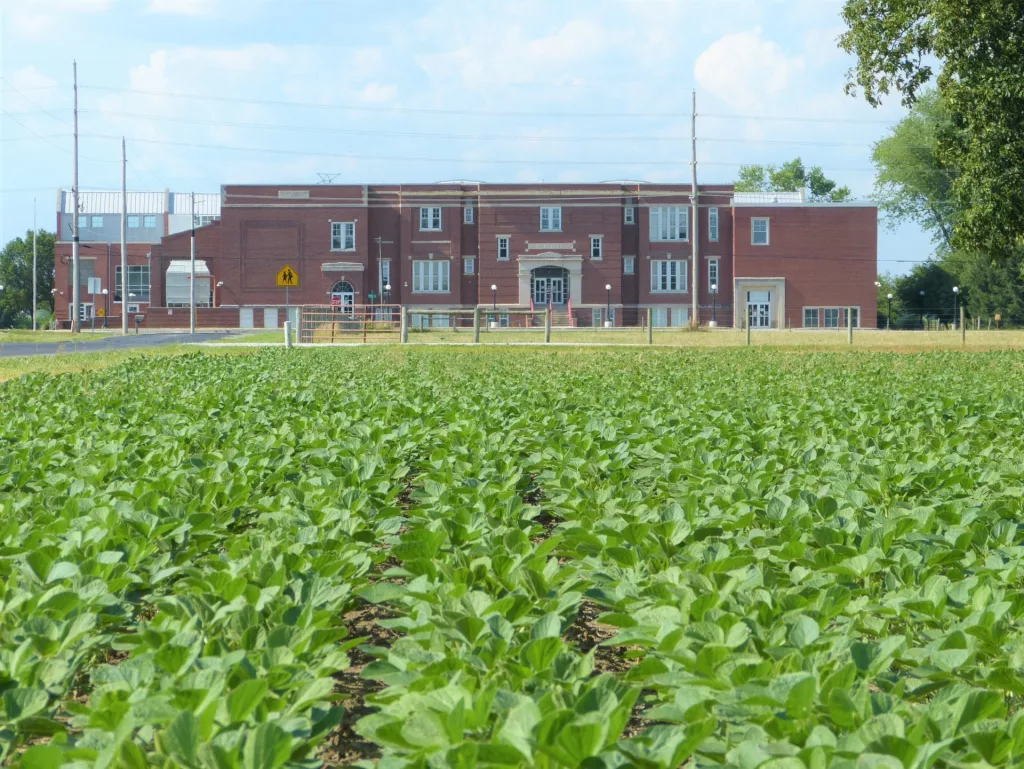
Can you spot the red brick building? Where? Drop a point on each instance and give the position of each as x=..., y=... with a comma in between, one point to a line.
x=774, y=260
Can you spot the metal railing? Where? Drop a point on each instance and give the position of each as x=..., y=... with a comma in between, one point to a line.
x=336, y=324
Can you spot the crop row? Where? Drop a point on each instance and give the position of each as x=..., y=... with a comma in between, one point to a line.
x=485, y=558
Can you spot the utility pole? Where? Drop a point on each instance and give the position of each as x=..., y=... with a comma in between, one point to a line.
x=35, y=272
x=124, y=240
x=75, y=261
x=192, y=282
x=380, y=263
x=695, y=218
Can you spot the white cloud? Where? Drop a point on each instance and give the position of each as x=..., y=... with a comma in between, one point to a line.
x=746, y=71
x=40, y=19
x=505, y=55
x=183, y=7
x=375, y=93
x=29, y=78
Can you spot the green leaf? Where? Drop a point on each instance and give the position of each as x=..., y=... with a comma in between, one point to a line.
x=181, y=738
x=245, y=698
x=42, y=757
x=266, y=747
x=23, y=702
x=803, y=632
x=380, y=592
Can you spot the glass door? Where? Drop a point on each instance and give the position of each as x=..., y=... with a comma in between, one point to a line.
x=557, y=290
x=540, y=291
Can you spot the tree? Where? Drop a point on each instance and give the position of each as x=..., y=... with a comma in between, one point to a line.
x=791, y=177
x=887, y=284
x=937, y=301
x=991, y=285
x=911, y=182
x=16, y=278
x=980, y=45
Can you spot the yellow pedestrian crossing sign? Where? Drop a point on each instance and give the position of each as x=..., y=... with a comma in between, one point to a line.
x=288, y=277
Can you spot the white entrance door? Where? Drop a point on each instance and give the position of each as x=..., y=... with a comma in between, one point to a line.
x=556, y=290
x=347, y=301
x=269, y=317
x=540, y=291
x=245, y=318
x=759, y=309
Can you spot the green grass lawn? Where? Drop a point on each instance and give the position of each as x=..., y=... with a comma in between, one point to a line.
x=896, y=341
x=25, y=335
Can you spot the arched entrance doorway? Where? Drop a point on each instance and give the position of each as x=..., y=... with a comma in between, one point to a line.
x=343, y=295
x=549, y=285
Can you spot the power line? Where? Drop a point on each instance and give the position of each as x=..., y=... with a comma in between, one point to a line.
x=364, y=108
x=42, y=109
x=469, y=137
x=799, y=119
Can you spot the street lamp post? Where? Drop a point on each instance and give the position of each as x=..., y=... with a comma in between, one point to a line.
x=494, y=296
x=714, y=304
x=608, y=309
x=386, y=299
x=921, y=294
x=216, y=285
x=106, y=307
x=888, y=315
x=956, y=304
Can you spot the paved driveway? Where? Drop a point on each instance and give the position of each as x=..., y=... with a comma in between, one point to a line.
x=130, y=342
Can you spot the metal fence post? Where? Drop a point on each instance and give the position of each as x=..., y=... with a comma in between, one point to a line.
x=650, y=326
x=547, y=326
x=963, y=327
x=748, y=334
x=476, y=326
x=849, y=327
x=405, y=324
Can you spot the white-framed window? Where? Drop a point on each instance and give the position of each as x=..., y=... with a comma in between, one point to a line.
x=501, y=319
x=667, y=276
x=133, y=221
x=713, y=275
x=759, y=231
x=670, y=223
x=133, y=308
x=138, y=282
x=343, y=236
x=84, y=310
x=713, y=225
x=550, y=219
x=430, y=218
x=831, y=317
x=659, y=317
x=811, y=317
x=467, y=215
x=680, y=316
x=149, y=221
x=204, y=219
x=385, y=272
x=468, y=265
x=597, y=247
x=431, y=277
x=595, y=317
x=95, y=222
x=629, y=215
x=844, y=316
x=503, y=248
x=83, y=221
x=628, y=265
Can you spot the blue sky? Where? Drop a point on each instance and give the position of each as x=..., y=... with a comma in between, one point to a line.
x=417, y=91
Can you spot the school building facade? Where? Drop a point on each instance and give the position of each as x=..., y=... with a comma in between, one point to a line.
x=592, y=252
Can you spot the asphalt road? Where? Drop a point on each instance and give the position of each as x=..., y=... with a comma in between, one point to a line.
x=130, y=342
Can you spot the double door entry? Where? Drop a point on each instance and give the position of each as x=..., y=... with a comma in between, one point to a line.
x=759, y=309
x=545, y=289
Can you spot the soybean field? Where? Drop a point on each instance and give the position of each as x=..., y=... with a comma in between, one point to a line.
x=437, y=557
